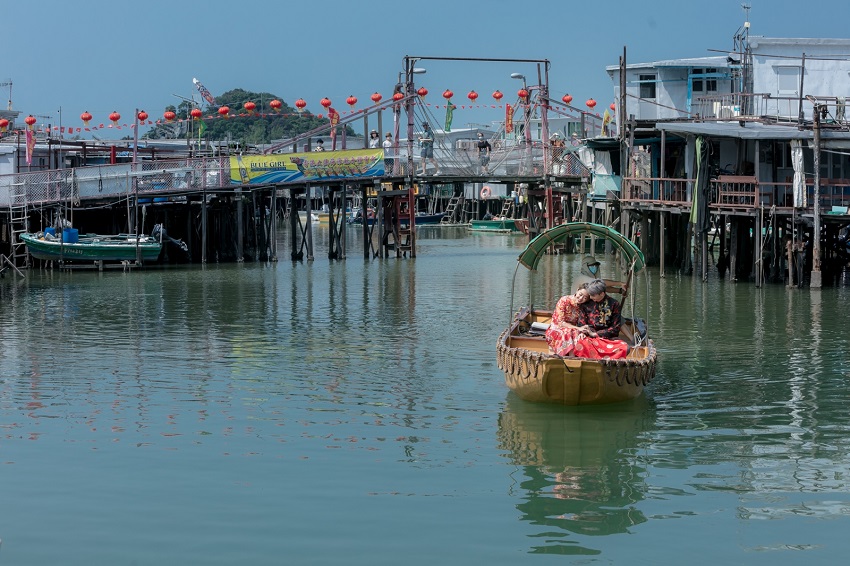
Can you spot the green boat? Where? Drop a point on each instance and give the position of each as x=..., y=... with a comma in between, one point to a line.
x=92, y=247
x=503, y=225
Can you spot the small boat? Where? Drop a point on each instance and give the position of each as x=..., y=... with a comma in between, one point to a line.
x=502, y=225
x=314, y=216
x=91, y=247
x=423, y=218
x=534, y=373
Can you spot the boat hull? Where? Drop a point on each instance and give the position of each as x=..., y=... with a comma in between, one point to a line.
x=535, y=374
x=507, y=225
x=93, y=248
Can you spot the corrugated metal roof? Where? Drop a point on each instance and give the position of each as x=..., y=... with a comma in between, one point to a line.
x=720, y=61
x=749, y=130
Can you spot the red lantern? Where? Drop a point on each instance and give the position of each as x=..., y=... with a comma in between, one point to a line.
x=351, y=100
x=567, y=98
x=472, y=96
x=590, y=103
x=114, y=117
x=196, y=113
x=522, y=94
x=4, y=123
x=142, y=116
x=224, y=111
x=169, y=116
x=498, y=95
x=86, y=117
x=30, y=120
x=276, y=104
x=612, y=106
x=326, y=102
x=422, y=92
x=250, y=107
x=300, y=104
x=447, y=94
x=376, y=98
x=398, y=96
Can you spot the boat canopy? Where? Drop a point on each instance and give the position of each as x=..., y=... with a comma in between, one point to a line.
x=537, y=247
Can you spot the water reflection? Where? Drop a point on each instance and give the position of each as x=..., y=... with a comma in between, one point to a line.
x=581, y=472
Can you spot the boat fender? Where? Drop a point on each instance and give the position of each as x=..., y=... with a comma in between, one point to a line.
x=485, y=192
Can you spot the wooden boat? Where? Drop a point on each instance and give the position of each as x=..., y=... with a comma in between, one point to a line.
x=424, y=218
x=534, y=373
x=92, y=247
x=502, y=225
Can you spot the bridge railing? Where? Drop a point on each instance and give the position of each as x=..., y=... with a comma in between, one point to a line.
x=170, y=177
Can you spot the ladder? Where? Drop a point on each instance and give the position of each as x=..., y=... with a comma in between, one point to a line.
x=19, y=223
x=396, y=232
x=449, y=217
x=506, y=208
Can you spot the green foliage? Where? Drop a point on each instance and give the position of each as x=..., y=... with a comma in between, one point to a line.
x=263, y=126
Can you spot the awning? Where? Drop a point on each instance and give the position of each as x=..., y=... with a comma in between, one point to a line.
x=537, y=247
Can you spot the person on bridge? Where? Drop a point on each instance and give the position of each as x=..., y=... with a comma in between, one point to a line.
x=320, y=146
x=374, y=140
x=558, y=149
x=389, y=154
x=426, y=145
x=484, y=149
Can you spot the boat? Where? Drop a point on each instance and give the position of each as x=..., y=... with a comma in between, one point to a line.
x=502, y=225
x=421, y=219
x=427, y=219
x=314, y=216
x=536, y=374
x=91, y=247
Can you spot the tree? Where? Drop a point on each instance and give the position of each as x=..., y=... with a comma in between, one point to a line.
x=262, y=127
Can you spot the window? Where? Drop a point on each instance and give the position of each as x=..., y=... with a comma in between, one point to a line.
x=787, y=80
x=697, y=83
x=647, y=86
x=711, y=83
x=700, y=81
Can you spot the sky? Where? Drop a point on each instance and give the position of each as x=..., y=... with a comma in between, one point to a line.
x=64, y=57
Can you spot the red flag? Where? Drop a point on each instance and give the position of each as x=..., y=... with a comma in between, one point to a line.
x=30, y=146
x=333, y=118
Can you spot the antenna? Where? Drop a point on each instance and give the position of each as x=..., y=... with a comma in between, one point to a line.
x=746, y=8
x=8, y=83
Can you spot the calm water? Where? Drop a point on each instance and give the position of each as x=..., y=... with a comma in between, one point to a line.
x=352, y=413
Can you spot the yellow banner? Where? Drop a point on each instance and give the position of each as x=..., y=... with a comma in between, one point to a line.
x=309, y=166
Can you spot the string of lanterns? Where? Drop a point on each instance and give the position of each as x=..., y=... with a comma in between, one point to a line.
x=250, y=108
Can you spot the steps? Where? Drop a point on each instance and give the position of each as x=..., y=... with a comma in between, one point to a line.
x=18, y=210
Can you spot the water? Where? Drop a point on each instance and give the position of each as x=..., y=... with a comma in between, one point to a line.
x=352, y=412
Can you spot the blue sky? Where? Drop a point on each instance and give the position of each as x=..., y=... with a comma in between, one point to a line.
x=103, y=56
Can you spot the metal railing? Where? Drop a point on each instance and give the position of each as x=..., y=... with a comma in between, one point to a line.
x=740, y=192
x=169, y=177
x=661, y=190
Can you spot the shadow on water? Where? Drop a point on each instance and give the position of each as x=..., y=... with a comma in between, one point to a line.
x=581, y=476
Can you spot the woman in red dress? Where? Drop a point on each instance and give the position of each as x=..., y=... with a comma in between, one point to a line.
x=566, y=338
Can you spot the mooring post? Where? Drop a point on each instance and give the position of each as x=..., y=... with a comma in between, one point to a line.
x=273, y=227
x=661, y=237
x=204, y=226
x=816, y=280
x=364, y=224
x=239, y=225
x=309, y=221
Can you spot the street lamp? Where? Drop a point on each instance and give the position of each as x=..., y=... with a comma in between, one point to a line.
x=527, y=102
x=409, y=90
x=526, y=126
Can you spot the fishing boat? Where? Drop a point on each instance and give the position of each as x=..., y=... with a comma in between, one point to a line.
x=497, y=224
x=91, y=247
x=534, y=373
x=423, y=218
